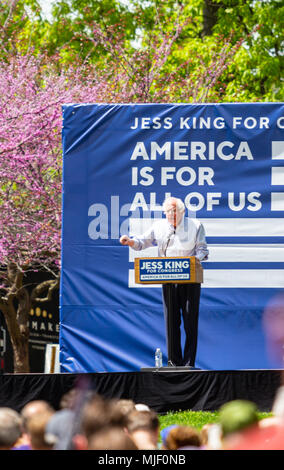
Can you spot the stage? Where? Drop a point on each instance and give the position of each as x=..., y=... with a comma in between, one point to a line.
x=163, y=391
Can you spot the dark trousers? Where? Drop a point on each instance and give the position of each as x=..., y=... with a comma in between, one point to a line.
x=181, y=299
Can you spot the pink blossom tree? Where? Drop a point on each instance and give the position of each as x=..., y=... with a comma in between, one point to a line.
x=30, y=185
x=31, y=95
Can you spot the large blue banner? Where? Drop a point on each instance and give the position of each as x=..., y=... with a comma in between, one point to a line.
x=226, y=162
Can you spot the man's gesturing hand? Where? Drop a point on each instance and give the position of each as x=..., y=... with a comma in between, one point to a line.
x=125, y=240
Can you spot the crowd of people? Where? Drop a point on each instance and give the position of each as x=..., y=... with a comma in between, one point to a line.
x=90, y=422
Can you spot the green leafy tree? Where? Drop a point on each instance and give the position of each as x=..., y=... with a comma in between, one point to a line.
x=22, y=26
x=259, y=65
x=66, y=31
x=70, y=29
x=256, y=73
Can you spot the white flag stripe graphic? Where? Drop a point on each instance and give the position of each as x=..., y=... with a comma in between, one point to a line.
x=238, y=227
x=277, y=150
x=149, y=253
x=229, y=253
x=249, y=278
x=277, y=176
x=246, y=253
x=231, y=227
x=234, y=278
x=277, y=201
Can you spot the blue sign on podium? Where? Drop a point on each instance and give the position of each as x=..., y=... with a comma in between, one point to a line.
x=160, y=270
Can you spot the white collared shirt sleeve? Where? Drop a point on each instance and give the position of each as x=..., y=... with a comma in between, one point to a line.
x=144, y=241
x=202, y=251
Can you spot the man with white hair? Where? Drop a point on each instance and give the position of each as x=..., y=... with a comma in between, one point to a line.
x=10, y=428
x=177, y=235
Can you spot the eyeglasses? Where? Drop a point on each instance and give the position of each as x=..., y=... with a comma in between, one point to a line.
x=170, y=211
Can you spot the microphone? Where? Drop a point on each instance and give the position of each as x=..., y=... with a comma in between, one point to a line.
x=168, y=241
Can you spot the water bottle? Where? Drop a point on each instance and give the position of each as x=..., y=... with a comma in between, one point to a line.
x=158, y=358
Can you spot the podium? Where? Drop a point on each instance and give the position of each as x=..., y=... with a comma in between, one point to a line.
x=168, y=270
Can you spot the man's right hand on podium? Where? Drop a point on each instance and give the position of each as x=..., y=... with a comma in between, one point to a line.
x=125, y=240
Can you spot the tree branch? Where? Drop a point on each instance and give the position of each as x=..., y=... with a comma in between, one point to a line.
x=48, y=287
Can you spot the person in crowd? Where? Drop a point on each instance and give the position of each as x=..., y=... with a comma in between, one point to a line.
x=177, y=235
x=164, y=434
x=10, y=428
x=60, y=429
x=235, y=417
x=97, y=414
x=35, y=407
x=69, y=399
x=260, y=438
x=183, y=437
x=143, y=427
x=36, y=428
x=211, y=436
x=65, y=422
x=32, y=408
x=253, y=434
x=125, y=406
x=111, y=438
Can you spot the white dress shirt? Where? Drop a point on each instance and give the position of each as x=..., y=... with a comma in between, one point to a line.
x=188, y=239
